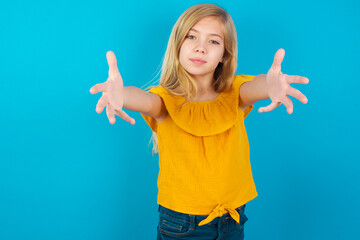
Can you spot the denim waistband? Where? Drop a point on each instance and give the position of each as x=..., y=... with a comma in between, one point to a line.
x=198, y=218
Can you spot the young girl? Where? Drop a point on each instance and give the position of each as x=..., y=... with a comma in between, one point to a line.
x=197, y=116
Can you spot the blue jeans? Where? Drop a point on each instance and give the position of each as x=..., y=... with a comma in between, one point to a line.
x=175, y=225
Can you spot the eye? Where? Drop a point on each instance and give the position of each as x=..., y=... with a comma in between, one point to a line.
x=193, y=37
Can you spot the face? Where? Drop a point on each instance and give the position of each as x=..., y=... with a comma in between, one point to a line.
x=203, y=47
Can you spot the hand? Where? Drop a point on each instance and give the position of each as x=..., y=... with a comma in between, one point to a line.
x=279, y=86
x=112, y=97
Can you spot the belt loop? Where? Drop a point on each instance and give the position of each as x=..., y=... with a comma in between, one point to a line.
x=219, y=224
x=192, y=221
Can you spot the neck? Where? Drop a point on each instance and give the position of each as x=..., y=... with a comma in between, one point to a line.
x=204, y=83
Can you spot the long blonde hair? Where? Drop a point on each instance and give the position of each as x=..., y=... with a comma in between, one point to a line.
x=173, y=75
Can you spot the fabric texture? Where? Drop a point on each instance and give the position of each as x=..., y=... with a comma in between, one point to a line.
x=174, y=225
x=204, y=154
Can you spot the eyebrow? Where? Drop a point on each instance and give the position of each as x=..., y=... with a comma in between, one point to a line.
x=211, y=34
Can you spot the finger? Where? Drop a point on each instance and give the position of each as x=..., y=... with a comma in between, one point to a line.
x=110, y=112
x=297, y=79
x=270, y=107
x=297, y=94
x=103, y=101
x=288, y=104
x=279, y=56
x=100, y=87
x=111, y=59
x=124, y=116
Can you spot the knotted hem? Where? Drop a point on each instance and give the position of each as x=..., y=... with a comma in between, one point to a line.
x=218, y=212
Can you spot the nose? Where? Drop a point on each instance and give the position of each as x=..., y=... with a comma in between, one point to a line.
x=200, y=48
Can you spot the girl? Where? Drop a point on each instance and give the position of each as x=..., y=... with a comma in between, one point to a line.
x=197, y=116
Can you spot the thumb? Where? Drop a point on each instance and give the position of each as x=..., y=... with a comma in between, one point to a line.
x=279, y=56
x=111, y=59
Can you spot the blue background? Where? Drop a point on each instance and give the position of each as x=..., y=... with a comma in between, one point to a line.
x=67, y=173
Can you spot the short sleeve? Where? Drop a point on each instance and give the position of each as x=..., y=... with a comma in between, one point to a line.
x=238, y=81
x=150, y=120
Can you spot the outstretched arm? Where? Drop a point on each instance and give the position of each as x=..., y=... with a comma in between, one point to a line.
x=274, y=85
x=116, y=97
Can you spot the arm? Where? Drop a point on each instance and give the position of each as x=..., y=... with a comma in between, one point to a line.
x=147, y=103
x=274, y=85
x=253, y=91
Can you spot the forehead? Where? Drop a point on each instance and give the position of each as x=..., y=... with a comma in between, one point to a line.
x=209, y=25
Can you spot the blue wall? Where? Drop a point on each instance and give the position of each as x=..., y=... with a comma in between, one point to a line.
x=67, y=173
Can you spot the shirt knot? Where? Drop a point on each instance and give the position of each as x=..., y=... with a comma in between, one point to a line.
x=220, y=210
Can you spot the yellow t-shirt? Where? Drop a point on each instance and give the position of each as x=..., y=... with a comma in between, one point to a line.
x=204, y=154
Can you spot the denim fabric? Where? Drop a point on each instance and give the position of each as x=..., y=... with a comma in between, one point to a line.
x=175, y=225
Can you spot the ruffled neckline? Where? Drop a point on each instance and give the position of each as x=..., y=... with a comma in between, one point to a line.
x=206, y=118
x=203, y=118
x=218, y=98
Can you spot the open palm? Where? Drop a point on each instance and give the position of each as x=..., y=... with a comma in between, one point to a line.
x=279, y=88
x=112, y=89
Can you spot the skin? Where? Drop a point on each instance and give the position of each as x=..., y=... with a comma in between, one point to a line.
x=199, y=43
x=274, y=85
x=112, y=93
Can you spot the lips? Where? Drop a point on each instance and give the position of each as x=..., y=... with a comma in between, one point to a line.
x=197, y=60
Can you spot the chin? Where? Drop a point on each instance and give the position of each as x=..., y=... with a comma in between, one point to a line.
x=197, y=73
x=195, y=70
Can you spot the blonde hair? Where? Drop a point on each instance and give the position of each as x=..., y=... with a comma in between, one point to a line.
x=173, y=75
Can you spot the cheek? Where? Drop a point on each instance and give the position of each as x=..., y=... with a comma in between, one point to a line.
x=220, y=53
x=183, y=53
x=220, y=56
x=217, y=57
x=181, y=56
